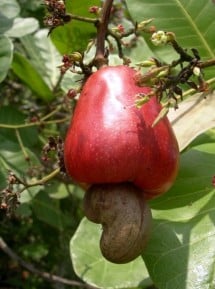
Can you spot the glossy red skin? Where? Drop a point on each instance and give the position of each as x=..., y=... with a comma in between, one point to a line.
x=110, y=140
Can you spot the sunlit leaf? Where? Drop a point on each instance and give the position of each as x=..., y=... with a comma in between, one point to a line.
x=6, y=54
x=9, y=8
x=91, y=266
x=22, y=26
x=75, y=35
x=193, y=23
x=194, y=116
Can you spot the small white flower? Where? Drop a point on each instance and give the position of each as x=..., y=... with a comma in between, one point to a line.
x=159, y=38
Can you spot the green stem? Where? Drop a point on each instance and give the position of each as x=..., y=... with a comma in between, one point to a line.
x=40, y=182
x=82, y=18
x=51, y=113
x=37, y=123
x=191, y=91
x=18, y=136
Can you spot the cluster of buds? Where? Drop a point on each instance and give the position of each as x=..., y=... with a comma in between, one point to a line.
x=9, y=197
x=55, y=6
x=57, y=13
x=54, y=149
x=70, y=60
x=159, y=38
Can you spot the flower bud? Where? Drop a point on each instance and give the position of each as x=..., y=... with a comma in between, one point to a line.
x=196, y=71
x=147, y=63
x=76, y=56
x=142, y=25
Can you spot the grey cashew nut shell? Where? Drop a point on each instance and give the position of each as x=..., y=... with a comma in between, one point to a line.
x=125, y=217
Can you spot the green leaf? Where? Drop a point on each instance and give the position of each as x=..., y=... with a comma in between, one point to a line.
x=5, y=23
x=206, y=137
x=12, y=158
x=3, y=176
x=194, y=116
x=9, y=9
x=9, y=115
x=193, y=23
x=46, y=59
x=22, y=26
x=48, y=211
x=35, y=251
x=44, y=56
x=75, y=35
x=91, y=266
x=28, y=195
x=181, y=252
x=6, y=54
x=30, y=76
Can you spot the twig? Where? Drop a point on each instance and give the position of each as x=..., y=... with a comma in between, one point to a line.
x=207, y=63
x=45, y=275
x=102, y=27
x=18, y=136
x=40, y=182
x=82, y=18
x=36, y=123
x=191, y=90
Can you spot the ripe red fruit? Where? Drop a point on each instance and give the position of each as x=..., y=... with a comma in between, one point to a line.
x=110, y=140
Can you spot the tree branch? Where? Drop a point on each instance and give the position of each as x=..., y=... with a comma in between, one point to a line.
x=45, y=275
x=102, y=27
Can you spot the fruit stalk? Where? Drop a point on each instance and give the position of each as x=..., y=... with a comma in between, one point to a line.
x=102, y=27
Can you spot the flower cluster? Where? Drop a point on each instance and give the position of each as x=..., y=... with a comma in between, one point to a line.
x=70, y=60
x=54, y=149
x=57, y=13
x=159, y=38
x=9, y=197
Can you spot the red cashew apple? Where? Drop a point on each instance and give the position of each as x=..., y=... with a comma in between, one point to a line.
x=110, y=140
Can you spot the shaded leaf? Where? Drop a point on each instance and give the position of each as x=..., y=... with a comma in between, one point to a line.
x=9, y=115
x=5, y=23
x=91, y=266
x=28, y=195
x=35, y=251
x=181, y=252
x=6, y=54
x=48, y=211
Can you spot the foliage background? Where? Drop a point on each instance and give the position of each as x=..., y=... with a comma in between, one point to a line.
x=48, y=228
